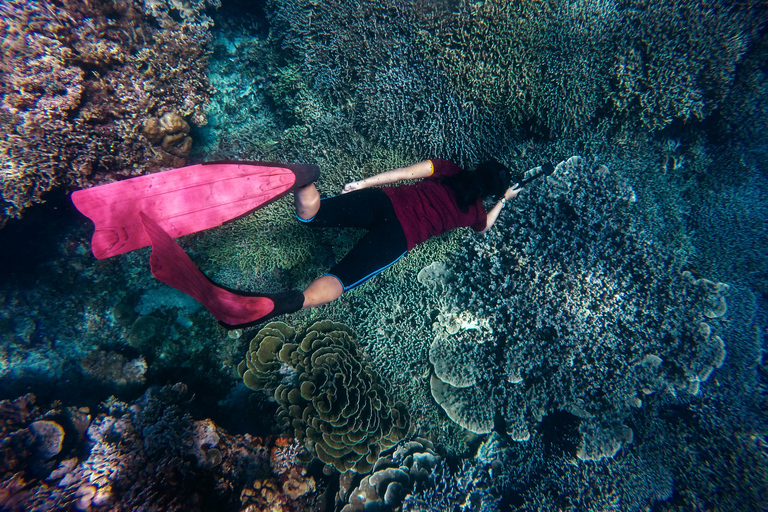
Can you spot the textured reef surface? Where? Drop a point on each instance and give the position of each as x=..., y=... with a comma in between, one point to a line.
x=601, y=348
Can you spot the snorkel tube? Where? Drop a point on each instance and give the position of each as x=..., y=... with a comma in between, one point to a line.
x=544, y=169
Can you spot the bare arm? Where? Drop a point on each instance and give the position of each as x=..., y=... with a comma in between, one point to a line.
x=412, y=172
x=511, y=193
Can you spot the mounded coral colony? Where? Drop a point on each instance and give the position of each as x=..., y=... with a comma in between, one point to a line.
x=592, y=331
x=340, y=408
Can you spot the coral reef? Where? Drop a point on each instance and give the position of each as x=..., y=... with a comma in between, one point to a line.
x=554, y=66
x=147, y=455
x=473, y=486
x=583, y=322
x=339, y=407
x=464, y=82
x=80, y=80
x=697, y=46
x=114, y=369
x=529, y=64
x=593, y=342
x=399, y=472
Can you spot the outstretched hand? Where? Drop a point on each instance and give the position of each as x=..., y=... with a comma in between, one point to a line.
x=513, y=191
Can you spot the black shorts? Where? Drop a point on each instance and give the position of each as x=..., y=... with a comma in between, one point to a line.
x=378, y=249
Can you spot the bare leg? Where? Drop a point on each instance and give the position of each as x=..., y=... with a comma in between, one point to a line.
x=307, y=201
x=323, y=290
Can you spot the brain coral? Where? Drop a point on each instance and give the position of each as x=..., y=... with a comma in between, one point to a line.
x=340, y=408
x=586, y=314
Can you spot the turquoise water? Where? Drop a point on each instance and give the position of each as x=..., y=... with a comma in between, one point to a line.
x=600, y=348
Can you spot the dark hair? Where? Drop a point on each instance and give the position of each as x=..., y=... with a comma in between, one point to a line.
x=490, y=179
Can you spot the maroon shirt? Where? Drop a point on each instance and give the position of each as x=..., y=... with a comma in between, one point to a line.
x=428, y=208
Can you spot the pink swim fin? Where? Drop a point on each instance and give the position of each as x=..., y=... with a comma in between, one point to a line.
x=171, y=265
x=184, y=200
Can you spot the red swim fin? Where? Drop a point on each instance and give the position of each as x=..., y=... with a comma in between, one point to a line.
x=184, y=200
x=171, y=265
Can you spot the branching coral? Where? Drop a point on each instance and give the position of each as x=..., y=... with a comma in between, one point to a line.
x=535, y=65
x=365, y=62
x=556, y=65
x=340, y=408
x=678, y=61
x=78, y=81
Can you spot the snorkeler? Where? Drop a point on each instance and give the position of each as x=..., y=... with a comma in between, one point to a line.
x=399, y=218
x=155, y=208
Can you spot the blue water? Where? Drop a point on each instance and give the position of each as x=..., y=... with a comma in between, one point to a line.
x=602, y=347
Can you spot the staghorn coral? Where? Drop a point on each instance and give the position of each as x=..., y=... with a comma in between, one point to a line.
x=339, y=407
x=570, y=330
x=78, y=81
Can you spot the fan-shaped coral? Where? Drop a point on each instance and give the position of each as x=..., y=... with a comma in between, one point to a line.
x=341, y=409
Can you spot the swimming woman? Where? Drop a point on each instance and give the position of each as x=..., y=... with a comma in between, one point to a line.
x=397, y=219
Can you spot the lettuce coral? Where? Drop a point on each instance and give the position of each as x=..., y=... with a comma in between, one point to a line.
x=339, y=407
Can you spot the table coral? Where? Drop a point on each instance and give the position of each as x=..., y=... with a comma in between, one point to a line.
x=339, y=406
x=78, y=80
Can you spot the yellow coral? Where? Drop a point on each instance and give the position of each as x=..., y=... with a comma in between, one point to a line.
x=341, y=409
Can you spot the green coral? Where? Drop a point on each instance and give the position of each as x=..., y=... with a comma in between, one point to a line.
x=551, y=66
x=269, y=238
x=340, y=408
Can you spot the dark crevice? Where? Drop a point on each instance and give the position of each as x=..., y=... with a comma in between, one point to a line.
x=499, y=423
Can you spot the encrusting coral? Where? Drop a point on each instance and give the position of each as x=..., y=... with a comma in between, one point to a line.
x=340, y=408
x=79, y=80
